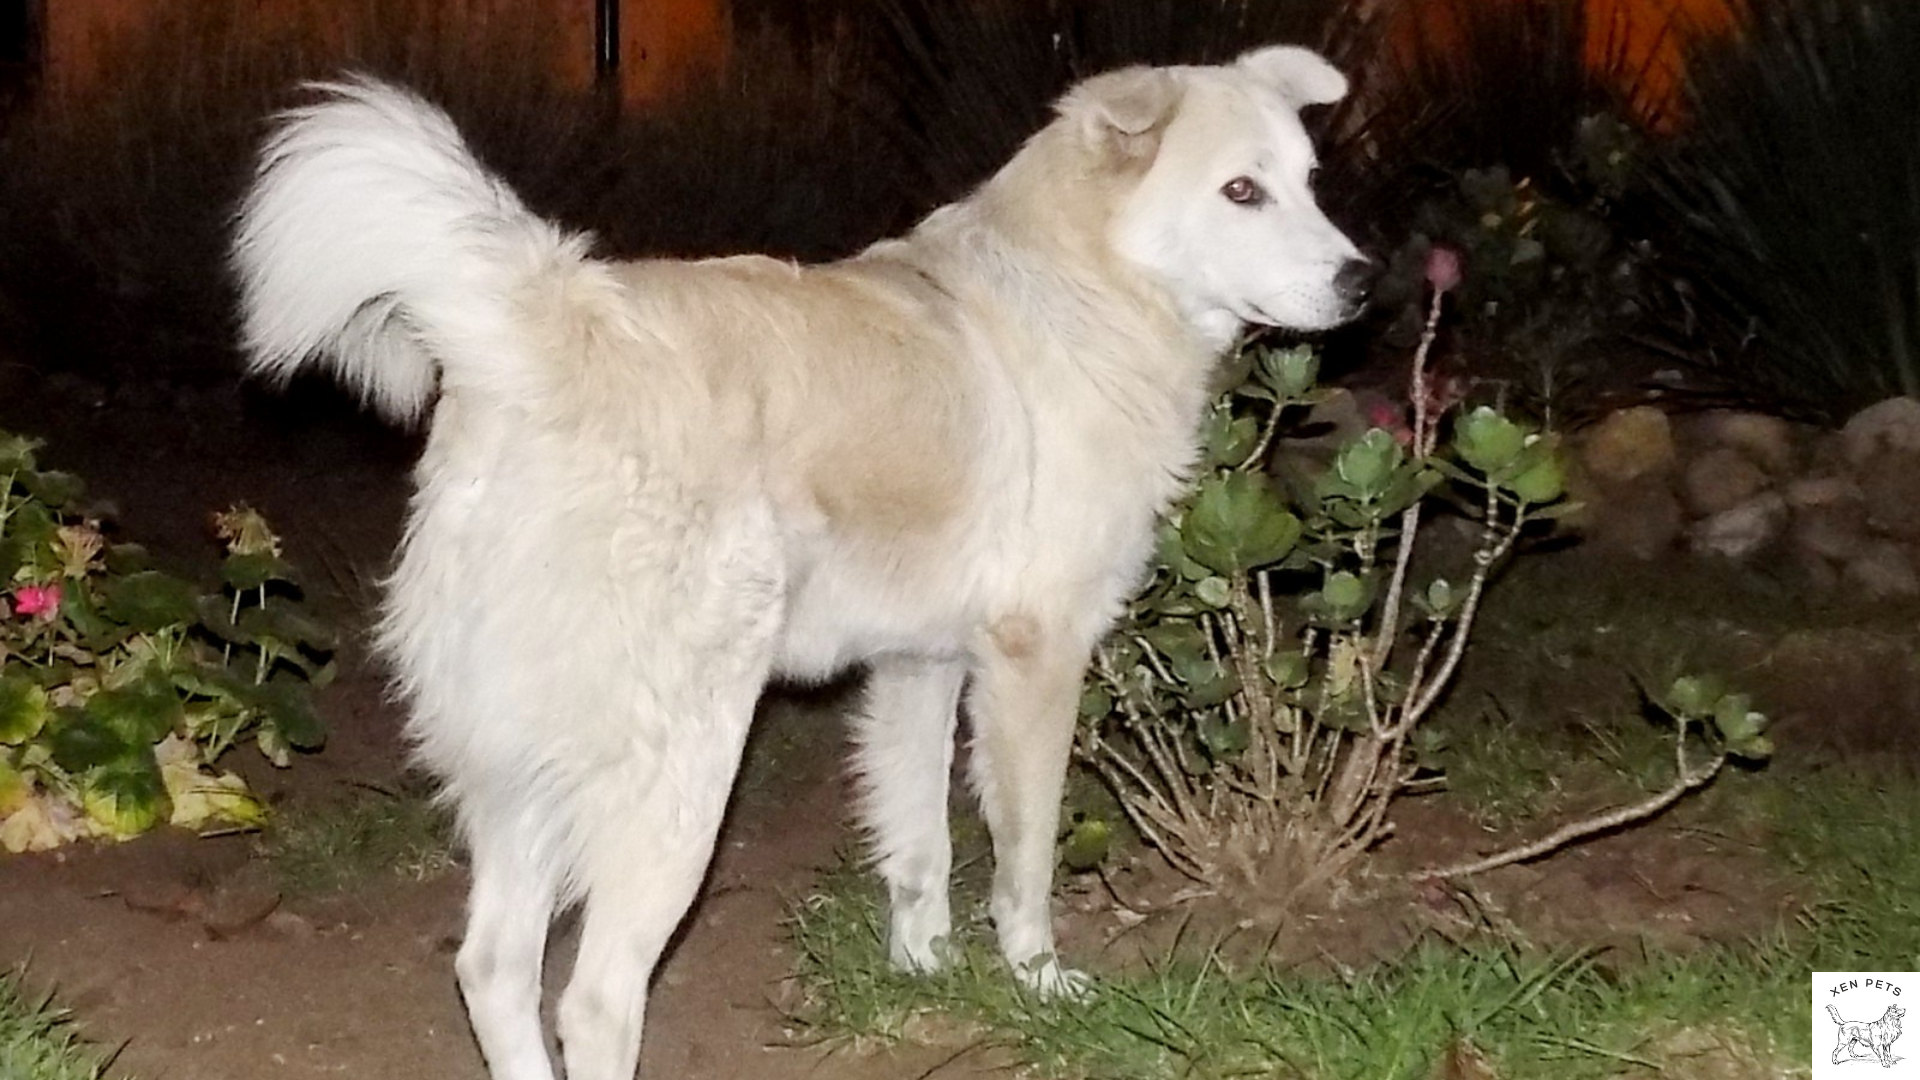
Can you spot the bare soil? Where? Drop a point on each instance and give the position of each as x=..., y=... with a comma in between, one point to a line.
x=180, y=950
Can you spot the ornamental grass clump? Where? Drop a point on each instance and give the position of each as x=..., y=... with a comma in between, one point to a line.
x=121, y=685
x=1264, y=704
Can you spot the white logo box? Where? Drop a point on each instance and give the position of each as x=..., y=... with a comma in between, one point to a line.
x=1878, y=1038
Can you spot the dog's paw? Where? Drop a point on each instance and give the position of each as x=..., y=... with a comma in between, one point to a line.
x=1045, y=976
x=922, y=957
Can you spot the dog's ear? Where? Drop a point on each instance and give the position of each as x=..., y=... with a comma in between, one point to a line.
x=1123, y=111
x=1300, y=76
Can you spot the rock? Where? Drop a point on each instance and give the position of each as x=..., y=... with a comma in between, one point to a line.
x=1809, y=491
x=1890, y=484
x=1767, y=441
x=1629, y=444
x=1721, y=479
x=1742, y=530
x=167, y=899
x=1893, y=424
x=286, y=924
x=1642, y=520
x=238, y=904
x=1883, y=571
x=1830, y=528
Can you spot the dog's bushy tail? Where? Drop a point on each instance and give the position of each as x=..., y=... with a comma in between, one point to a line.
x=373, y=242
x=1835, y=1013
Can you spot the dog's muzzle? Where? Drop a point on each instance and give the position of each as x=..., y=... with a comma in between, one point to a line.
x=1353, y=283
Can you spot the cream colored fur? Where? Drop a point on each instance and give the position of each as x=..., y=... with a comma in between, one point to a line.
x=649, y=487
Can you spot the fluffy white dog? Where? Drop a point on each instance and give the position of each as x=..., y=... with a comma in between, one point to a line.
x=651, y=486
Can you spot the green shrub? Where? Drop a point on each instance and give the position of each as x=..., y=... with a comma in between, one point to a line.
x=120, y=684
x=1793, y=199
x=1265, y=703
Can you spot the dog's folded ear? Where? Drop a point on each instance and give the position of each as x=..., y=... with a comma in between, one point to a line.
x=1125, y=110
x=1301, y=76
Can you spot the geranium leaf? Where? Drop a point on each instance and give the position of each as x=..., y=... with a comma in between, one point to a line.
x=23, y=709
x=149, y=601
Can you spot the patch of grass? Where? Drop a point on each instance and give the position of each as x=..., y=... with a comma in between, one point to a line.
x=329, y=848
x=1722, y=1011
x=37, y=1040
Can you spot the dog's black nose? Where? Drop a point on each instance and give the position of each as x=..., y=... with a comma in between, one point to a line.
x=1355, y=279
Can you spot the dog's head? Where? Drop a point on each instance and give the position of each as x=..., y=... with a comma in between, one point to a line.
x=1223, y=212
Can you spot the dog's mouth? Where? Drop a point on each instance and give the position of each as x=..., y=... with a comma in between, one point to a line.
x=1348, y=309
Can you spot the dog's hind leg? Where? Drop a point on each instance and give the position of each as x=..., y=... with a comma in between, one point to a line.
x=1024, y=705
x=905, y=734
x=643, y=851
x=516, y=881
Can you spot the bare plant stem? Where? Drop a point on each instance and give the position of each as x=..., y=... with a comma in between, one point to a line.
x=1687, y=779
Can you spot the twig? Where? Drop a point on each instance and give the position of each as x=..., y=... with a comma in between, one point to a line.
x=1258, y=455
x=1592, y=824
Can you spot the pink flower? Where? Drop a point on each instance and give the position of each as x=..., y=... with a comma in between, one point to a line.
x=1388, y=417
x=1443, y=268
x=37, y=601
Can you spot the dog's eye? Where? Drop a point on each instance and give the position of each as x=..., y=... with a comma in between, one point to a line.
x=1244, y=191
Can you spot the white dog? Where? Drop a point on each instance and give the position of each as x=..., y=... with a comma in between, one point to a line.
x=651, y=486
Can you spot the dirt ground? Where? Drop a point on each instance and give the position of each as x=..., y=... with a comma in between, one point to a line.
x=172, y=948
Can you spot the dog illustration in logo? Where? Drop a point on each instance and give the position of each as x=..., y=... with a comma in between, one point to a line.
x=1859, y=1039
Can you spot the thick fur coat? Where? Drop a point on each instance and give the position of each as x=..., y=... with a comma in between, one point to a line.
x=649, y=487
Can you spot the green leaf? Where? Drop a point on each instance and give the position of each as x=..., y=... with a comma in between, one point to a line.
x=289, y=714
x=1291, y=373
x=1289, y=670
x=82, y=612
x=1346, y=596
x=30, y=530
x=127, y=558
x=1208, y=686
x=16, y=454
x=80, y=741
x=13, y=555
x=1237, y=522
x=1087, y=843
x=1737, y=721
x=1226, y=439
x=23, y=709
x=1694, y=695
x=149, y=601
x=1488, y=441
x=1096, y=703
x=1538, y=477
x=1409, y=485
x=126, y=798
x=1224, y=739
x=55, y=489
x=273, y=746
x=285, y=627
x=1756, y=748
x=1213, y=592
x=251, y=571
x=1179, y=640
x=139, y=715
x=1367, y=463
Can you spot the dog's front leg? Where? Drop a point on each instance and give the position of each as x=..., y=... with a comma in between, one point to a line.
x=1023, y=706
x=905, y=735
